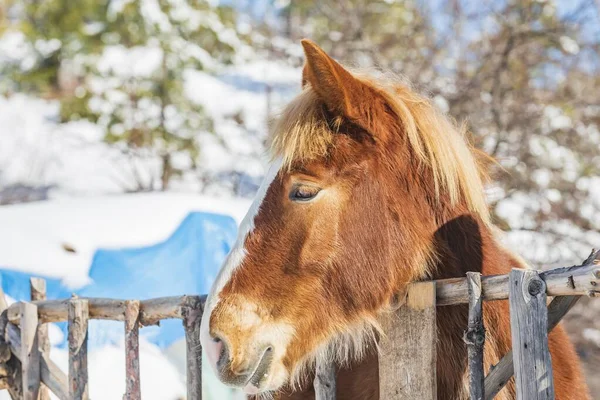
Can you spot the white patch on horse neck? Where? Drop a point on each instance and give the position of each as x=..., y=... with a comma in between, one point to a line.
x=237, y=254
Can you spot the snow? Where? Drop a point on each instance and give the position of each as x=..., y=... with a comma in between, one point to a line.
x=159, y=378
x=87, y=224
x=135, y=62
x=569, y=45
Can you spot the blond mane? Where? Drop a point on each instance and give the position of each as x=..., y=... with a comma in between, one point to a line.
x=302, y=133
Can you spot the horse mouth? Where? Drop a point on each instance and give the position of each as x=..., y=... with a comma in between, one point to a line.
x=252, y=385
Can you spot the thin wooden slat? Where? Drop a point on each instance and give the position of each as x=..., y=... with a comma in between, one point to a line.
x=529, y=330
x=30, y=353
x=38, y=293
x=132, y=350
x=78, y=333
x=475, y=337
x=324, y=382
x=192, y=316
x=410, y=334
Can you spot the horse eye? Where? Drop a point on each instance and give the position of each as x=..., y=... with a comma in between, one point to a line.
x=303, y=193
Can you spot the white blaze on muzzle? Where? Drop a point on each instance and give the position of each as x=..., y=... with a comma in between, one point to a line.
x=233, y=261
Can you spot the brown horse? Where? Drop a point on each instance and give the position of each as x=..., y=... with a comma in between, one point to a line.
x=370, y=188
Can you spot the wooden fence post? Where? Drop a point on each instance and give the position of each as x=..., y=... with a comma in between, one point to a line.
x=13, y=377
x=324, y=382
x=50, y=373
x=407, y=357
x=30, y=353
x=192, y=316
x=78, y=334
x=558, y=308
x=38, y=293
x=132, y=350
x=475, y=337
x=529, y=329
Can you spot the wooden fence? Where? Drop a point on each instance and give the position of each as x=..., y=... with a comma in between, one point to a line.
x=28, y=373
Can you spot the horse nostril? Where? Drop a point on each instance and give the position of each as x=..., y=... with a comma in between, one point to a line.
x=223, y=356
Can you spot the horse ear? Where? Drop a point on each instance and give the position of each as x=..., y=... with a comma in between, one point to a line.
x=342, y=92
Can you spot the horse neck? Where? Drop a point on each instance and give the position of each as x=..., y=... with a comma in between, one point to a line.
x=465, y=243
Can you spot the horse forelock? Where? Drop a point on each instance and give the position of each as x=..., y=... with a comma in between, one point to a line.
x=305, y=132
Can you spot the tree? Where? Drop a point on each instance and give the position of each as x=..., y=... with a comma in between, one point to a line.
x=122, y=65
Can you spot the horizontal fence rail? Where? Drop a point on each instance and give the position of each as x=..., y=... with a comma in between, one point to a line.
x=26, y=369
x=571, y=281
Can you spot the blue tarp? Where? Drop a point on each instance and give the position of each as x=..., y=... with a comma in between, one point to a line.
x=185, y=263
x=16, y=285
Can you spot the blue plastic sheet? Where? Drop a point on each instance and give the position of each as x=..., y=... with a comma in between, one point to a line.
x=186, y=263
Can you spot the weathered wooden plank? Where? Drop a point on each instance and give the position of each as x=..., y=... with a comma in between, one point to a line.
x=407, y=356
x=192, y=316
x=325, y=381
x=456, y=290
x=11, y=364
x=579, y=280
x=132, y=350
x=151, y=311
x=529, y=330
x=475, y=337
x=558, y=308
x=571, y=281
x=58, y=310
x=504, y=370
x=78, y=334
x=52, y=376
x=38, y=293
x=30, y=353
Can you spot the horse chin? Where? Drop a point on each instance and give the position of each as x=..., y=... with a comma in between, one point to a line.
x=270, y=381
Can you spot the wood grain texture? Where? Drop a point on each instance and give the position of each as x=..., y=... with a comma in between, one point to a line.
x=529, y=330
x=78, y=334
x=410, y=334
x=324, y=382
x=151, y=310
x=38, y=293
x=51, y=374
x=475, y=337
x=11, y=364
x=132, y=351
x=571, y=281
x=192, y=316
x=30, y=353
x=558, y=308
